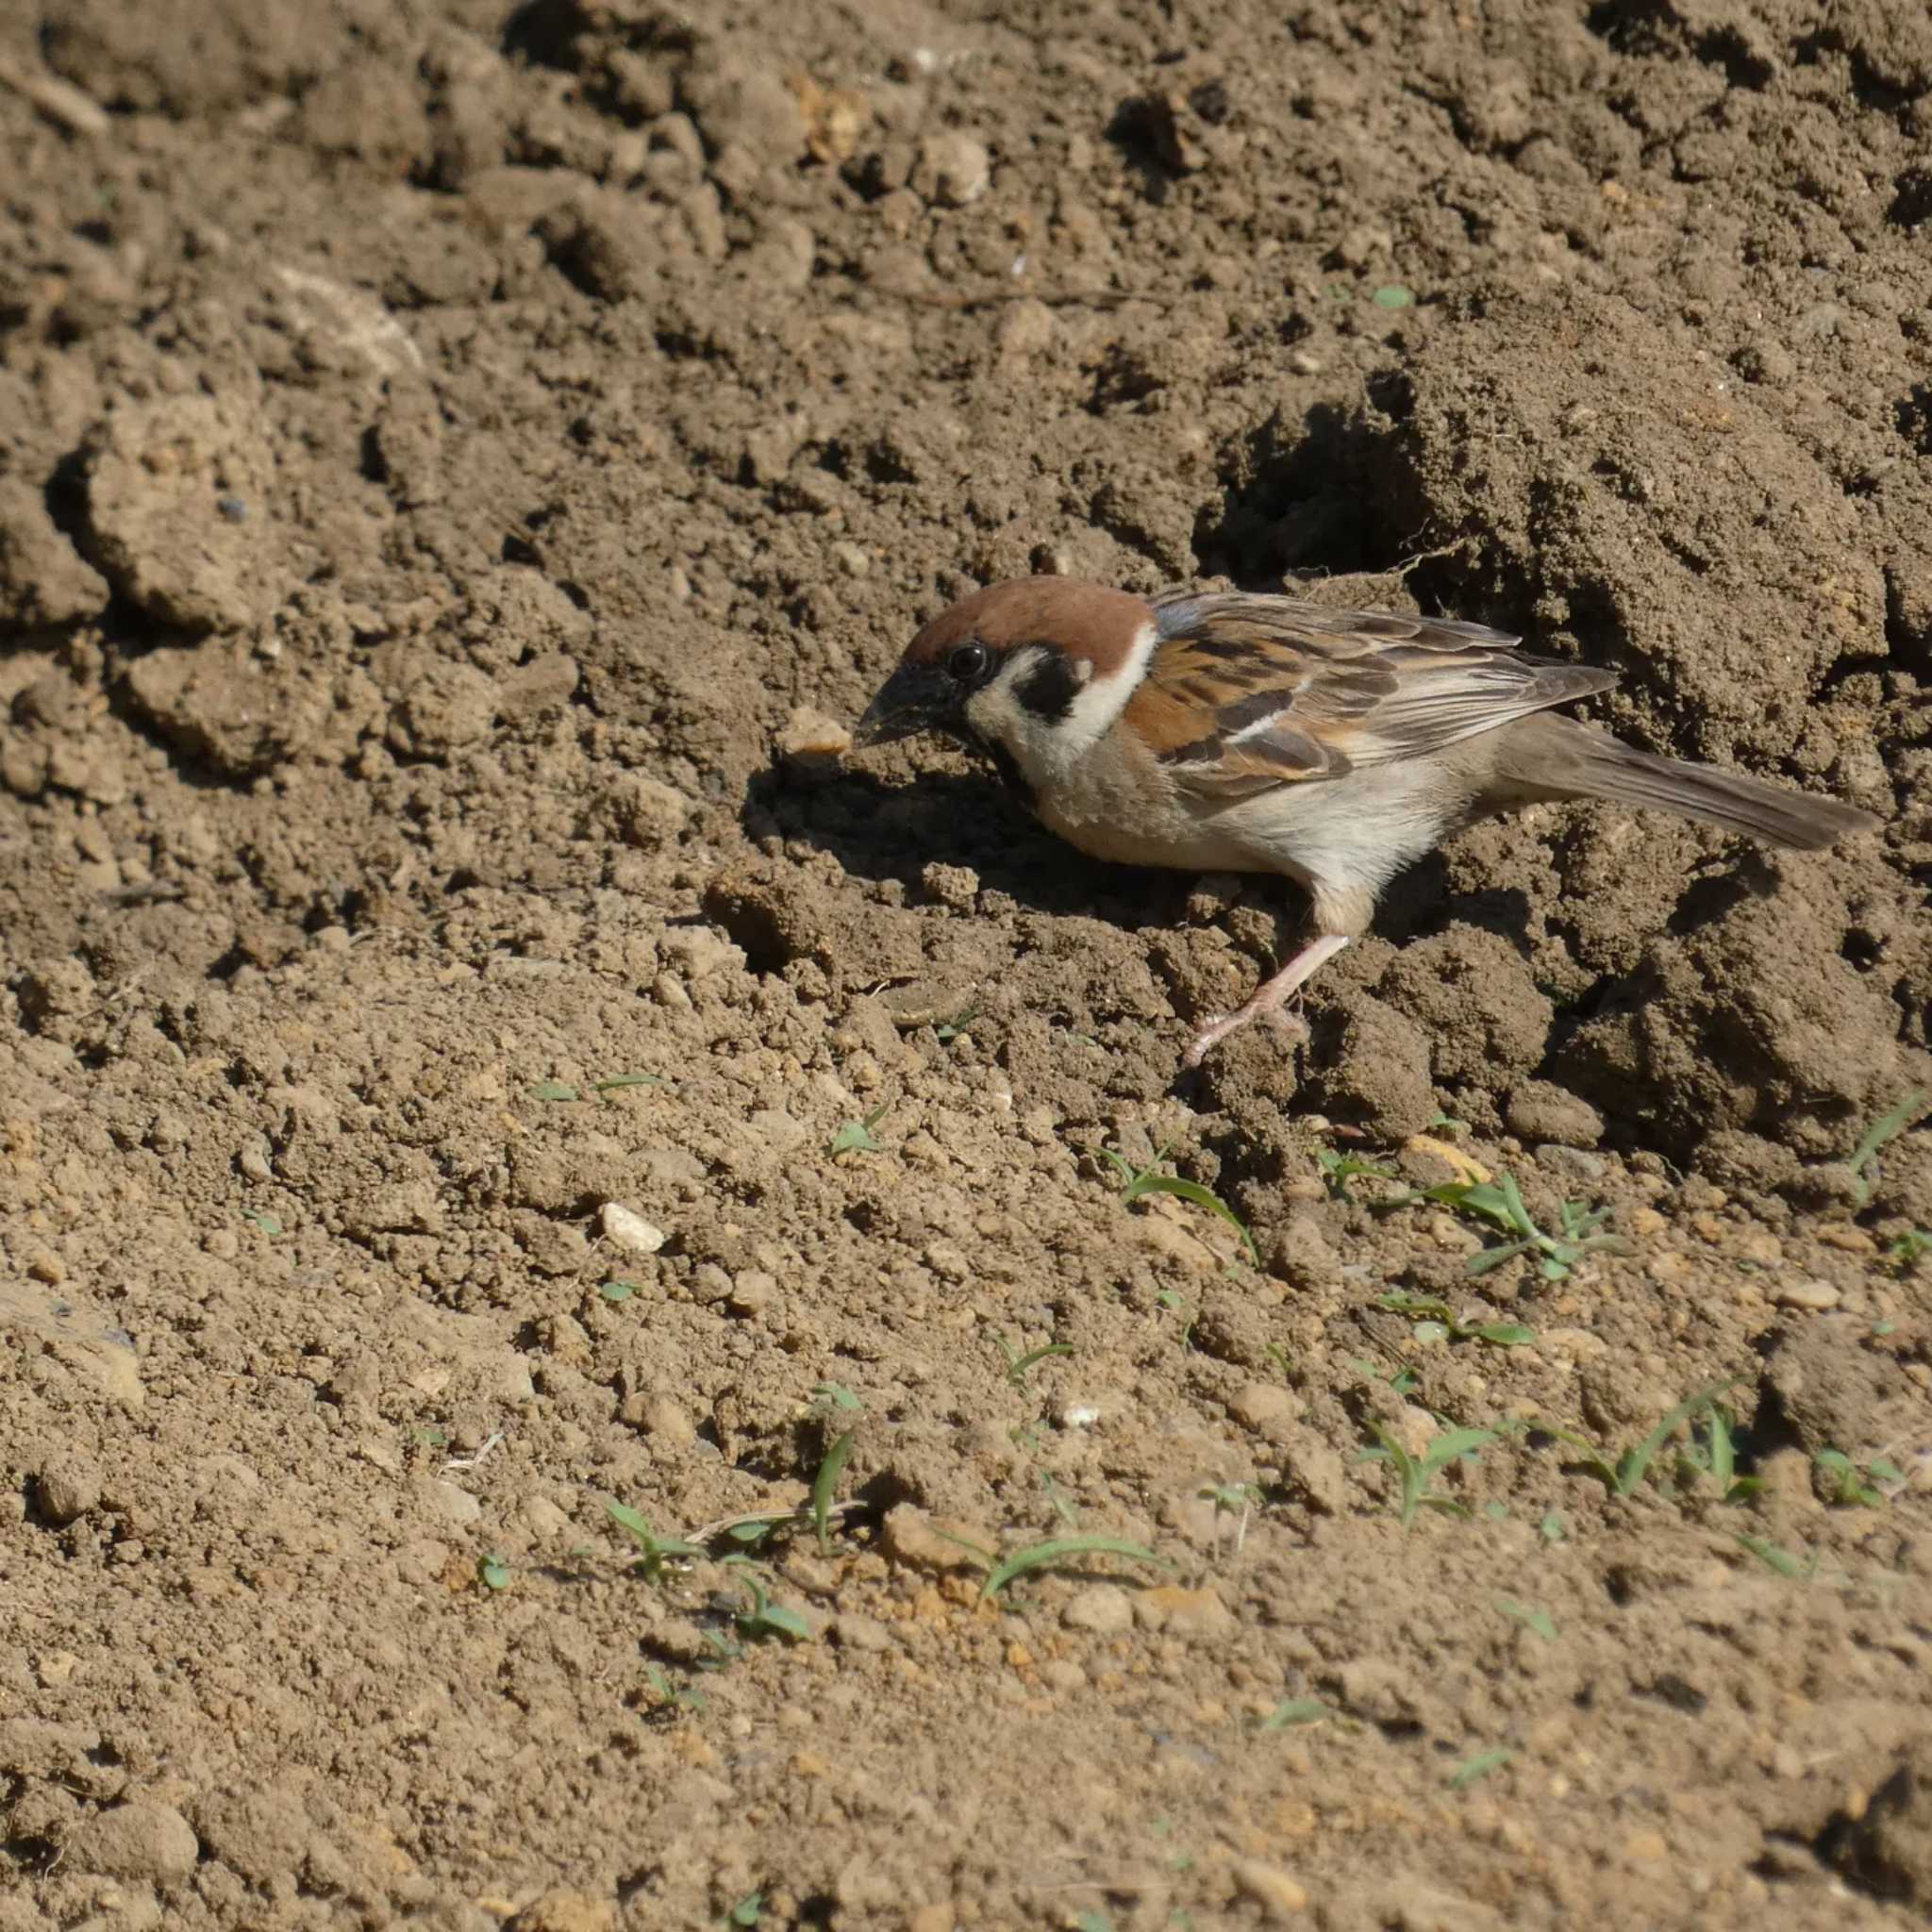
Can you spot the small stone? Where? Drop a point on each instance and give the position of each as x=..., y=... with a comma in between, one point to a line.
x=138, y=1841
x=567, y=1911
x=931, y=1918
x=1541, y=1110
x=66, y=1488
x=1646, y=1847
x=1817, y=1297
x=668, y=1422
x=648, y=813
x=1278, y=1895
x=544, y=1518
x=624, y=1227
x=1313, y=1470
x=926, y=1542
x=1063, y=1675
x=856, y=1631
x=952, y=170
x=811, y=734
x=1104, y=1608
x=753, y=1290
x=1263, y=1406
x=1185, y=1612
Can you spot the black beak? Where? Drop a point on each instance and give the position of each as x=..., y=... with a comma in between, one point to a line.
x=916, y=698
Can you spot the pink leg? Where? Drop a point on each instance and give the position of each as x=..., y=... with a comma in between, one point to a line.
x=1272, y=997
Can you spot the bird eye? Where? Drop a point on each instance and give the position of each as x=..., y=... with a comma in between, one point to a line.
x=967, y=663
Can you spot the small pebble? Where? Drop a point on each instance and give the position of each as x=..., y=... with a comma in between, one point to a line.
x=1817, y=1297
x=1278, y=1895
x=1104, y=1608
x=66, y=1488
x=624, y=1227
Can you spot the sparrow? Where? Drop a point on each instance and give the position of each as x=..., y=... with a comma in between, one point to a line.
x=1224, y=731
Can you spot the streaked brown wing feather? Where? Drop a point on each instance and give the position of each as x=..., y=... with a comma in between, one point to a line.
x=1245, y=693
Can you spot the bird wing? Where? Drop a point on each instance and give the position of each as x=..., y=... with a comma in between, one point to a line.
x=1246, y=692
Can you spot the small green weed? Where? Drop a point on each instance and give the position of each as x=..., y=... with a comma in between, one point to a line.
x=1498, y=1204
x=856, y=1137
x=1435, y=1321
x=1863, y=1158
x=1414, y=1474
x=1910, y=1249
x=670, y=1696
x=1530, y=1617
x=759, y=1616
x=1020, y=1366
x=658, y=1552
x=1136, y=1181
x=492, y=1573
x=1853, y=1487
x=832, y=1399
x=1799, y=1569
x=746, y=1912
x=1473, y=1770
x=1338, y=1170
x=1716, y=1457
x=1293, y=1712
x=1061, y=1549
x=1623, y=1475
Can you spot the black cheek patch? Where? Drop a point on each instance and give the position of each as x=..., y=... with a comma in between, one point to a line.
x=1007, y=766
x=1049, y=688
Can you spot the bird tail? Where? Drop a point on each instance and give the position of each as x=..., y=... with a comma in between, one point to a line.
x=1558, y=758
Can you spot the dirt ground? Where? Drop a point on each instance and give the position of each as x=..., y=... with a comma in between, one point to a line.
x=470, y=1053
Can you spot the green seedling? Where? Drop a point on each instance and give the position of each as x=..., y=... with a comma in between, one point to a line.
x=1020, y=1366
x=616, y=1083
x=1910, y=1249
x=759, y=1616
x=1092, y=1920
x=1392, y=295
x=1414, y=1474
x=1499, y=1205
x=617, y=1289
x=552, y=1089
x=747, y=1911
x=1447, y=1123
x=856, y=1137
x=492, y=1573
x=1553, y=1529
x=1530, y=1617
x=1136, y=1181
x=1291, y=1713
x=1338, y=1170
x=1061, y=1549
x=1853, y=1487
x=266, y=1223
x=1623, y=1476
x=672, y=1696
x=1799, y=1569
x=1435, y=1321
x=1402, y=1381
x=1717, y=1457
x=658, y=1552
x=1863, y=1158
x=948, y=1030
x=834, y=1399
x=1473, y=1770
x=1279, y=1357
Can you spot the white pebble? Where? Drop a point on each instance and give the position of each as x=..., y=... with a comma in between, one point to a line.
x=625, y=1228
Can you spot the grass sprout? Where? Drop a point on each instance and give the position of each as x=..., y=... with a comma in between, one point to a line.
x=856, y=1137
x=1498, y=1204
x=1061, y=1549
x=1623, y=1475
x=1435, y=1321
x=1716, y=1457
x=658, y=1552
x=1136, y=1181
x=834, y=1399
x=1473, y=1770
x=1020, y=1366
x=1414, y=1474
x=1853, y=1487
x=1338, y=1170
x=1863, y=1158
x=1291, y=1713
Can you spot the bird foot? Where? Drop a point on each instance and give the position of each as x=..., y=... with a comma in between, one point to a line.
x=1290, y=1024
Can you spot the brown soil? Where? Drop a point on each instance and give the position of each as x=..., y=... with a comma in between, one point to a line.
x=454, y=459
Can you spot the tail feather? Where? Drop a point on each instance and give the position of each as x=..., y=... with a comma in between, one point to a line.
x=1558, y=758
